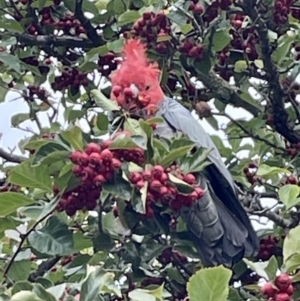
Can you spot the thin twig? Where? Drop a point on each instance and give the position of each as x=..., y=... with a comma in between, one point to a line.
x=11, y=157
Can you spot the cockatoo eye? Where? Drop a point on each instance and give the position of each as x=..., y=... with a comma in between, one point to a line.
x=147, y=87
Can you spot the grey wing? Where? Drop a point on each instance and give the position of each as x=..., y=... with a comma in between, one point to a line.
x=219, y=237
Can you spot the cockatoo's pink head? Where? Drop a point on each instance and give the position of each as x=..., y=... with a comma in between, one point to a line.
x=135, y=84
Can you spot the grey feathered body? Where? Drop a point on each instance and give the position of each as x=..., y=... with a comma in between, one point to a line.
x=218, y=224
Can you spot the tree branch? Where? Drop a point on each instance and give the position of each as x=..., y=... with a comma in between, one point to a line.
x=222, y=90
x=90, y=30
x=11, y=157
x=48, y=40
x=23, y=239
x=43, y=268
x=275, y=91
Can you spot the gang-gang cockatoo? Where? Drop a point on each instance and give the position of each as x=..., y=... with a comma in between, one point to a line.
x=219, y=226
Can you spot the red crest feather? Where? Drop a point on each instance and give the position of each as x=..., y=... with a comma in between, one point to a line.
x=135, y=65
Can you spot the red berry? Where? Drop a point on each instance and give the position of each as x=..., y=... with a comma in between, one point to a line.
x=77, y=170
x=106, y=144
x=94, y=158
x=163, y=191
x=164, y=177
x=84, y=159
x=128, y=92
x=268, y=290
x=92, y=148
x=283, y=281
x=282, y=297
x=140, y=184
x=116, y=163
x=292, y=179
x=135, y=177
x=200, y=192
x=290, y=290
x=116, y=91
x=99, y=179
x=190, y=179
x=193, y=196
x=157, y=171
x=147, y=15
x=115, y=211
x=75, y=157
x=147, y=175
x=155, y=185
x=106, y=155
x=199, y=9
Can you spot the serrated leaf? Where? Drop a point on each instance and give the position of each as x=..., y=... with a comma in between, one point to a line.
x=209, y=284
x=46, y=152
x=53, y=239
x=125, y=142
x=25, y=175
x=292, y=263
x=127, y=17
x=11, y=201
x=11, y=61
x=74, y=137
x=103, y=102
x=288, y=195
x=175, y=154
x=197, y=162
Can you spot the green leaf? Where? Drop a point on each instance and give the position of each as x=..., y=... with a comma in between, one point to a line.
x=288, y=195
x=19, y=270
x=46, y=152
x=10, y=61
x=125, y=142
x=25, y=296
x=291, y=244
x=127, y=17
x=176, y=154
x=53, y=239
x=115, y=46
x=221, y=39
x=25, y=175
x=182, y=186
x=258, y=267
x=265, y=170
x=284, y=44
x=197, y=162
x=74, y=137
x=11, y=201
x=102, y=122
x=19, y=118
x=272, y=268
x=41, y=292
x=22, y=286
x=103, y=102
x=259, y=64
x=209, y=284
x=240, y=66
x=97, y=281
x=11, y=25
x=292, y=263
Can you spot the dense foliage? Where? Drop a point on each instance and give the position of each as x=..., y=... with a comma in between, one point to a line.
x=89, y=217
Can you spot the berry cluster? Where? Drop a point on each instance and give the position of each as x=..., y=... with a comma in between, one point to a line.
x=291, y=179
x=281, y=291
x=94, y=166
x=237, y=21
x=291, y=90
x=192, y=49
x=281, y=11
x=245, y=42
x=126, y=99
x=30, y=60
x=70, y=77
x=292, y=149
x=168, y=255
x=36, y=91
x=222, y=66
x=162, y=190
x=295, y=12
x=268, y=246
x=152, y=27
x=9, y=187
x=250, y=172
x=211, y=12
x=107, y=63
